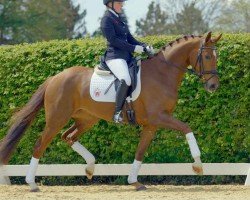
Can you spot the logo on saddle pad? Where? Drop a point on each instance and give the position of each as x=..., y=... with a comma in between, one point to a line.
x=97, y=92
x=101, y=91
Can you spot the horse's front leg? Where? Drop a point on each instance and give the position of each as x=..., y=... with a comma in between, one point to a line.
x=164, y=120
x=147, y=135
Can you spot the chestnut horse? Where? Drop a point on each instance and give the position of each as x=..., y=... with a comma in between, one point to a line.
x=66, y=96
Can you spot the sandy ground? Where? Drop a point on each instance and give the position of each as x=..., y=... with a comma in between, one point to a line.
x=105, y=192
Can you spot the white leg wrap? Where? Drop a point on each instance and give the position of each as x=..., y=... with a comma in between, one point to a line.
x=132, y=178
x=30, y=177
x=193, y=145
x=80, y=149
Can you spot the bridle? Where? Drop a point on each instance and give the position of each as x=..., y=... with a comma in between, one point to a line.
x=199, y=61
x=202, y=70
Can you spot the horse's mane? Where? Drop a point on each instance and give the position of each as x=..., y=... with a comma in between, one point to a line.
x=170, y=44
x=185, y=37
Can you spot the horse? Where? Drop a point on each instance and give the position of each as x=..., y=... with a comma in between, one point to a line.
x=66, y=96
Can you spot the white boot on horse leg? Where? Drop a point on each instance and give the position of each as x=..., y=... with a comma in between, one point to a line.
x=30, y=177
x=197, y=165
x=132, y=178
x=87, y=156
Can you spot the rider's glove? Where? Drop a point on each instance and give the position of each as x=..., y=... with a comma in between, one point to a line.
x=150, y=49
x=139, y=49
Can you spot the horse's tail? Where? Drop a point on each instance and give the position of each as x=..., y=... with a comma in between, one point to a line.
x=20, y=122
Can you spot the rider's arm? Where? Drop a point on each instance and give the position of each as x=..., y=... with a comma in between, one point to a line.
x=133, y=41
x=108, y=30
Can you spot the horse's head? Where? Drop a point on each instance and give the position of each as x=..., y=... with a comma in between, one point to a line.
x=203, y=59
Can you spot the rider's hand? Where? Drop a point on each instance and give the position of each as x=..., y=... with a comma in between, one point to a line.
x=139, y=49
x=150, y=49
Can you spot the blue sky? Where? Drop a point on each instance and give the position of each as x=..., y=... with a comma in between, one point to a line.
x=135, y=9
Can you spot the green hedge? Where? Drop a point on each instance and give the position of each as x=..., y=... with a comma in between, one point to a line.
x=219, y=120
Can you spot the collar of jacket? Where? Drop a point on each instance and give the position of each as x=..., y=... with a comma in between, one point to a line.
x=113, y=12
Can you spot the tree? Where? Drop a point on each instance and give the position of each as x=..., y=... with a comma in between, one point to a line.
x=211, y=10
x=155, y=22
x=189, y=20
x=177, y=17
x=11, y=18
x=79, y=22
x=235, y=17
x=32, y=20
x=190, y=16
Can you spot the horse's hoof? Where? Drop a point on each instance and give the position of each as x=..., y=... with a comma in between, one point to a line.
x=89, y=174
x=197, y=168
x=35, y=190
x=34, y=187
x=90, y=171
x=139, y=187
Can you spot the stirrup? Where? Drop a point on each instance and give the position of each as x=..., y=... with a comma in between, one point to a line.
x=118, y=118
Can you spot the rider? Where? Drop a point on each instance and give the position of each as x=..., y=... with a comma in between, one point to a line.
x=121, y=44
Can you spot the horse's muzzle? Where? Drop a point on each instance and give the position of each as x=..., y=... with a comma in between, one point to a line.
x=211, y=87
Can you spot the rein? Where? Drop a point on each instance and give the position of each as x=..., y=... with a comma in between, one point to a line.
x=199, y=61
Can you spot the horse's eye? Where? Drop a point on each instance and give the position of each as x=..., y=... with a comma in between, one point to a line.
x=208, y=57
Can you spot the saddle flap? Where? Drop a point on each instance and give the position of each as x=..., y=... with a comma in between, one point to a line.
x=103, y=64
x=133, y=68
x=99, y=84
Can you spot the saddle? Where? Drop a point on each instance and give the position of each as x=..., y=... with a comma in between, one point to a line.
x=133, y=67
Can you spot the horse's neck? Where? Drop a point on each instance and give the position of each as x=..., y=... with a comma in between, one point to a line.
x=170, y=73
x=156, y=75
x=179, y=53
x=177, y=58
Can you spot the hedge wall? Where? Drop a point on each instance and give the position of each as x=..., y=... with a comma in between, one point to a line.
x=219, y=120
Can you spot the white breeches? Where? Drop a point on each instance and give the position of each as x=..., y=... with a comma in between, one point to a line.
x=119, y=67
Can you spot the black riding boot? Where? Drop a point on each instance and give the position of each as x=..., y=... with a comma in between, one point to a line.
x=121, y=96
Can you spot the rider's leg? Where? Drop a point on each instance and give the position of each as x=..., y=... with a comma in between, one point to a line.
x=119, y=68
x=121, y=96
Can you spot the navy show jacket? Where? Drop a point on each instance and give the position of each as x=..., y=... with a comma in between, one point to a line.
x=120, y=42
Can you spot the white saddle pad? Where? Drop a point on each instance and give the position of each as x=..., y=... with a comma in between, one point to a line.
x=100, y=83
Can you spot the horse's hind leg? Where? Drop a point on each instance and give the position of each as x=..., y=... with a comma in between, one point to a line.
x=42, y=143
x=71, y=136
x=55, y=121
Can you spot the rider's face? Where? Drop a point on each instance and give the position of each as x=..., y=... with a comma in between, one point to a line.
x=118, y=6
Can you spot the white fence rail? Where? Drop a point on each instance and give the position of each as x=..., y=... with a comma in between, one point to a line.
x=123, y=169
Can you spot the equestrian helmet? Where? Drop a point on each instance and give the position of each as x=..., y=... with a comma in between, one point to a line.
x=105, y=2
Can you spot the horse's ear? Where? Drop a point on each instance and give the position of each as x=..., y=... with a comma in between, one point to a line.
x=217, y=39
x=208, y=37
